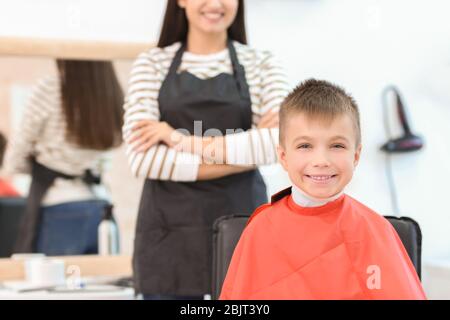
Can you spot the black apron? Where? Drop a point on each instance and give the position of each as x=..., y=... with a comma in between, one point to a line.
x=173, y=240
x=42, y=179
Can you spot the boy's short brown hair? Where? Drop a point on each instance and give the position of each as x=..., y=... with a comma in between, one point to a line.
x=319, y=99
x=2, y=148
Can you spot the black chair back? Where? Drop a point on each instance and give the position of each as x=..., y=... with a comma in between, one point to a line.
x=11, y=213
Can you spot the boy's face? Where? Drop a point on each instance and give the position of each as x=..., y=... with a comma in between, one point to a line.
x=319, y=157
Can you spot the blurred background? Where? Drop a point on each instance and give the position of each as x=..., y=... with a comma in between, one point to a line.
x=362, y=45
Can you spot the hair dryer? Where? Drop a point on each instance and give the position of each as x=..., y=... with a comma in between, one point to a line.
x=408, y=141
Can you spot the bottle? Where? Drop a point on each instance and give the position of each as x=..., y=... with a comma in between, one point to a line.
x=108, y=233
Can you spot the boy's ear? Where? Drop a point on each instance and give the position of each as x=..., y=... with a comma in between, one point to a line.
x=282, y=156
x=357, y=155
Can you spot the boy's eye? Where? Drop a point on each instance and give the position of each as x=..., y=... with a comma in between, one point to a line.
x=304, y=146
x=338, y=146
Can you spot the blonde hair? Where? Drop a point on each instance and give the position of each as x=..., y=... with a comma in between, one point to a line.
x=319, y=99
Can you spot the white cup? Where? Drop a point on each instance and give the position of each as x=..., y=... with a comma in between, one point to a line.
x=26, y=258
x=45, y=272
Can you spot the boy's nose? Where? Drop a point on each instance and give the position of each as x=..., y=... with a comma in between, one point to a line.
x=321, y=160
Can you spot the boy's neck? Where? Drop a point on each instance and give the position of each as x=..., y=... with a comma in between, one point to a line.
x=305, y=200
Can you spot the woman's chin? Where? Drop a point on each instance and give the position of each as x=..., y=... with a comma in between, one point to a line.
x=213, y=28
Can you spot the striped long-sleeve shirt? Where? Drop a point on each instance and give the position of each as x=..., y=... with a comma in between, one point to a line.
x=267, y=85
x=42, y=133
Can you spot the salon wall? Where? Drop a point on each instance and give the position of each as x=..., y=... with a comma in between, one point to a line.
x=361, y=45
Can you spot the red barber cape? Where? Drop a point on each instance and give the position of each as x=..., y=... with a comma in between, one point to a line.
x=342, y=250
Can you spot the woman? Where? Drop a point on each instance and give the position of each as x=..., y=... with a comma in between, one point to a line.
x=69, y=125
x=204, y=81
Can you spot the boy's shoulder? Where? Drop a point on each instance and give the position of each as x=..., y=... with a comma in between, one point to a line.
x=267, y=206
x=363, y=210
x=365, y=218
x=354, y=209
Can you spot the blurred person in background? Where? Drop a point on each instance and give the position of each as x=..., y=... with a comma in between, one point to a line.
x=70, y=124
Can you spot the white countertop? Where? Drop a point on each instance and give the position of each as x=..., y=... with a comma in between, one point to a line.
x=97, y=292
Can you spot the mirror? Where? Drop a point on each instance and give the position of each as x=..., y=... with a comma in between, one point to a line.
x=33, y=34
x=26, y=61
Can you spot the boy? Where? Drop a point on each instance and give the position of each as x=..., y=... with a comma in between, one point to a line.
x=6, y=190
x=313, y=241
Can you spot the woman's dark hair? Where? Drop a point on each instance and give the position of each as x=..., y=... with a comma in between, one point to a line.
x=175, y=25
x=92, y=101
x=2, y=147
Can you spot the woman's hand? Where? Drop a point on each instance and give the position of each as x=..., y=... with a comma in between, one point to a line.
x=147, y=133
x=269, y=120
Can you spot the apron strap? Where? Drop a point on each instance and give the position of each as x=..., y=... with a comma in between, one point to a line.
x=42, y=180
x=238, y=71
x=241, y=82
x=177, y=60
x=88, y=177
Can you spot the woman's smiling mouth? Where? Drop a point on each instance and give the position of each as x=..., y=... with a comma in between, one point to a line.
x=213, y=15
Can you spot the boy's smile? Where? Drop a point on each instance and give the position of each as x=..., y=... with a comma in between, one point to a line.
x=319, y=155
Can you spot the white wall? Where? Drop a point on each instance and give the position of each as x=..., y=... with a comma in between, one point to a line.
x=126, y=20
x=362, y=45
